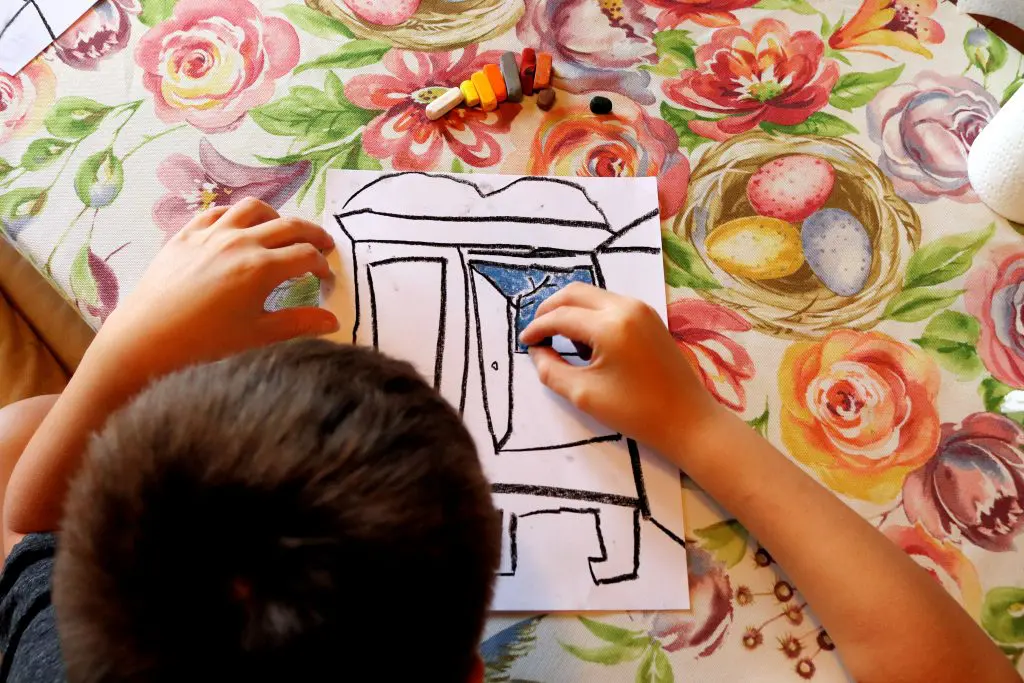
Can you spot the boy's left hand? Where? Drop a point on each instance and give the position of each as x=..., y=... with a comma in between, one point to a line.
x=202, y=298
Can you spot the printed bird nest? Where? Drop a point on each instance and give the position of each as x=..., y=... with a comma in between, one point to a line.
x=428, y=25
x=799, y=304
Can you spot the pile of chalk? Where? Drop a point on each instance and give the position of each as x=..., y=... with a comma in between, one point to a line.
x=496, y=83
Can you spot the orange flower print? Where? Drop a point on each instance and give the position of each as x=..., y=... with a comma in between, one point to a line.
x=571, y=141
x=903, y=24
x=710, y=13
x=859, y=410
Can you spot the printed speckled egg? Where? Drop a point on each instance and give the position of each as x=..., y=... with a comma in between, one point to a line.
x=384, y=12
x=838, y=250
x=791, y=188
x=757, y=247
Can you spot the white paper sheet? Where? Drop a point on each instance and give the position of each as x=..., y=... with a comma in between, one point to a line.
x=444, y=271
x=27, y=27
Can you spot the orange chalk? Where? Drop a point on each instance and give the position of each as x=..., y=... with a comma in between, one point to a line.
x=488, y=100
x=493, y=74
x=542, y=77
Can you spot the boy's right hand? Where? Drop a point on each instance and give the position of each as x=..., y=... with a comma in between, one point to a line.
x=637, y=381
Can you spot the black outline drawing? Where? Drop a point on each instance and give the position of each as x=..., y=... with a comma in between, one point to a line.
x=439, y=356
x=507, y=254
x=42, y=18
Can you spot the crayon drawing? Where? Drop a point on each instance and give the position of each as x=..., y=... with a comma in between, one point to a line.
x=445, y=272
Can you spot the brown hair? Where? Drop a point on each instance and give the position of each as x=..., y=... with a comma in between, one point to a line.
x=287, y=514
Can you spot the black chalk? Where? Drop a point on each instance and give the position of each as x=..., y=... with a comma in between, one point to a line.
x=601, y=105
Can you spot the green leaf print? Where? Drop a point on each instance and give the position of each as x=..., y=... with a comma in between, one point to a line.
x=43, y=152
x=912, y=305
x=727, y=541
x=760, y=423
x=858, y=88
x=614, y=634
x=351, y=55
x=994, y=395
x=679, y=120
x=1002, y=614
x=74, y=117
x=155, y=11
x=677, y=45
x=818, y=123
x=606, y=654
x=83, y=284
x=683, y=265
x=951, y=339
x=312, y=116
x=945, y=258
x=798, y=6
x=99, y=179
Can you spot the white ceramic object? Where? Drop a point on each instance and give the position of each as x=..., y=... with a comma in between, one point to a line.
x=995, y=165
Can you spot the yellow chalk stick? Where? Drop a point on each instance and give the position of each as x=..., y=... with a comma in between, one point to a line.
x=488, y=100
x=469, y=93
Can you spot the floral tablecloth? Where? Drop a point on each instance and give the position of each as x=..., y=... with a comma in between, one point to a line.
x=902, y=397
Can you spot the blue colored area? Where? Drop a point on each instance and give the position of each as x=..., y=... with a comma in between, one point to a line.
x=527, y=287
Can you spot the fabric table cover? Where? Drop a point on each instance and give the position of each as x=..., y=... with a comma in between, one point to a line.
x=903, y=397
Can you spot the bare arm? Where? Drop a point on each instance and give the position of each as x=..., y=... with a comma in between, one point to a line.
x=890, y=621
x=201, y=299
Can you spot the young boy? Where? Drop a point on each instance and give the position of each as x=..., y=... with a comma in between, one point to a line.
x=268, y=517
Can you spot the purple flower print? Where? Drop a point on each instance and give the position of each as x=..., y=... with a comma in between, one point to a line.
x=217, y=181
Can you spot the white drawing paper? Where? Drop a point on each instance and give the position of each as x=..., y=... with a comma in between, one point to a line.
x=445, y=271
x=27, y=27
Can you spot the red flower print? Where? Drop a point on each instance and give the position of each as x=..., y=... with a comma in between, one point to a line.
x=711, y=13
x=764, y=74
x=721, y=362
x=403, y=132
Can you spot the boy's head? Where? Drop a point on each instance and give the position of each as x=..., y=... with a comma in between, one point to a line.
x=301, y=512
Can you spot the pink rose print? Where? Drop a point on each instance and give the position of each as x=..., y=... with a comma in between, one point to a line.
x=710, y=13
x=764, y=74
x=974, y=486
x=101, y=32
x=217, y=181
x=403, y=132
x=24, y=99
x=594, y=46
x=995, y=296
x=925, y=129
x=710, y=616
x=211, y=62
x=722, y=363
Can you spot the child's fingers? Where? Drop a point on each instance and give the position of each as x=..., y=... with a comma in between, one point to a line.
x=207, y=218
x=282, y=232
x=572, y=322
x=295, y=260
x=289, y=323
x=554, y=372
x=247, y=213
x=576, y=294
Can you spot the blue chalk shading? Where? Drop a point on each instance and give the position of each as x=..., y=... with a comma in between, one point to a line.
x=527, y=287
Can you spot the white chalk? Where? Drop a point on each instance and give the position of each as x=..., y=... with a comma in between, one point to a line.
x=451, y=98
